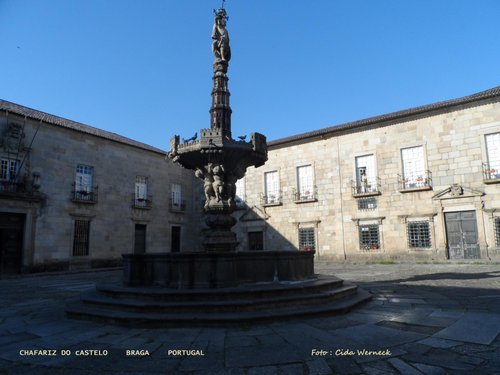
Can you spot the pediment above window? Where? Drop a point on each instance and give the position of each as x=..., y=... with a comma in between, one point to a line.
x=456, y=191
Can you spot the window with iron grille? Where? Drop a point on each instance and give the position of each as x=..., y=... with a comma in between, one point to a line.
x=81, y=238
x=367, y=203
x=307, y=239
x=419, y=234
x=369, y=237
x=255, y=240
x=497, y=230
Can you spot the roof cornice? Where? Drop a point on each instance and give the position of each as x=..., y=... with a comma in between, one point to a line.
x=47, y=118
x=389, y=117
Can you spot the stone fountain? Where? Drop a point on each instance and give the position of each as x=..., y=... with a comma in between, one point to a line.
x=219, y=285
x=216, y=157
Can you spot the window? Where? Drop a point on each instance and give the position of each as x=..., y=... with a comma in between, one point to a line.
x=141, y=188
x=307, y=239
x=81, y=238
x=9, y=169
x=255, y=241
x=414, y=173
x=497, y=230
x=366, y=181
x=83, y=189
x=367, y=203
x=419, y=235
x=141, y=192
x=140, y=239
x=83, y=178
x=175, y=241
x=305, y=184
x=240, y=193
x=493, y=155
x=369, y=237
x=176, y=198
x=272, y=186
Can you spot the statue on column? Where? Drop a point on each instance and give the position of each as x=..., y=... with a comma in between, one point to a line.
x=220, y=45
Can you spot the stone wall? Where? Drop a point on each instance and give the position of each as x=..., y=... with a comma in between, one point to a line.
x=54, y=155
x=453, y=141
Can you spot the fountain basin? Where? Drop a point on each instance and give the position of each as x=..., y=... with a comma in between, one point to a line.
x=193, y=270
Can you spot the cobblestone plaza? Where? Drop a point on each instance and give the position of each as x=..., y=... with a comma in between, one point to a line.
x=423, y=319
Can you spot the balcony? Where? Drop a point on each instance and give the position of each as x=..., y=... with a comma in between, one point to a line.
x=21, y=190
x=84, y=194
x=271, y=199
x=143, y=203
x=491, y=175
x=415, y=183
x=176, y=205
x=369, y=188
x=305, y=196
x=12, y=187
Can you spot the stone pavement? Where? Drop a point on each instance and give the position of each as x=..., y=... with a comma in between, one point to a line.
x=424, y=319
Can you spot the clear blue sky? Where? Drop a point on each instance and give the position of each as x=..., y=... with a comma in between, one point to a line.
x=143, y=69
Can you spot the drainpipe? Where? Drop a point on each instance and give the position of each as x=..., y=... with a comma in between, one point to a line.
x=341, y=199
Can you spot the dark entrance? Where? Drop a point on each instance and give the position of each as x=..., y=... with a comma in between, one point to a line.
x=176, y=239
x=461, y=232
x=11, y=243
x=140, y=239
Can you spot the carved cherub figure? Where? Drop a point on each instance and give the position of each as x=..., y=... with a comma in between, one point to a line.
x=218, y=184
x=207, y=184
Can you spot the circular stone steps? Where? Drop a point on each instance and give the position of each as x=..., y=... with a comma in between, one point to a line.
x=162, y=307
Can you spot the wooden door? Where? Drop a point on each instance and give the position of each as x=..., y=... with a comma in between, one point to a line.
x=461, y=232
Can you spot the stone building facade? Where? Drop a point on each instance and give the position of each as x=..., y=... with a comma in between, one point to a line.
x=422, y=183
x=73, y=196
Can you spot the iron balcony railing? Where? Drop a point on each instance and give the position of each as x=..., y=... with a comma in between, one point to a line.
x=142, y=202
x=362, y=188
x=306, y=195
x=84, y=194
x=176, y=205
x=490, y=173
x=10, y=186
x=415, y=182
x=20, y=189
x=271, y=199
